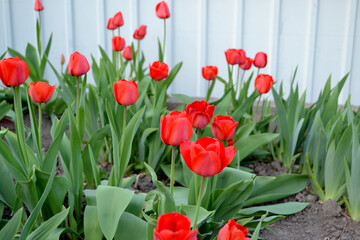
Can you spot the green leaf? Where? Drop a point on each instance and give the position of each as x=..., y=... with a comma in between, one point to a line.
x=92, y=228
x=46, y=228
x=4, y=108
x=147, y=132
x=131, y=227
x=111, y=203
x=32, y=57
x=10, y=229
x=255, y=235
x=190, y=210
x=183, y=98
x=287, y=208
x=7, y=189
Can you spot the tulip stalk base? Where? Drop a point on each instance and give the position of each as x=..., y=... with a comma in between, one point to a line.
x=39, y=126
x=172, y=170
x=163, y=50
x=199, y=201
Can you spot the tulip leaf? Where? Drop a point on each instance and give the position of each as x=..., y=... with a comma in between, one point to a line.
x=7, y=188
x=147, y=132
x=131, y=227
x=111, y=203
x=92, y=228
x=287, y=208
x=10, y=229
x=45, y=56
x=4, y=108
x=32, y=57
x=190, y=210
x=183, y=98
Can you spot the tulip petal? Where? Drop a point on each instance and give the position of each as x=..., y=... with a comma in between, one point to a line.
x=185, y=152
x=206, y=164
x=228, y=157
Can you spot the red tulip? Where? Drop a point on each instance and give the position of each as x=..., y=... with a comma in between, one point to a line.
x=223, y=127
x=118, y=43
x=175, y=128
x=260, y=60
x=40, y=92
x=235, y=56
x=118, y=20
x=140, y=32
x=158, y=70
x=247, y=64
x=13, y=71
x=209, y=72
x=127, y=53
x=233, y=231
x=263, y=83
x=38, y=6
x=231, y=142
x=110, y=24
x=126, y=92
x=162, y=10
x=201, y=113
x=174, y=226
x=78, y=65
x=207, y=156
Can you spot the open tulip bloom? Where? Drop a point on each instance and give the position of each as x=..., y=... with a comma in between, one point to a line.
x=233, y=231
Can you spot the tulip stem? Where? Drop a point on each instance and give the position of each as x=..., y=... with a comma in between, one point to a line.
x=39, y=128
x=241, y=82
x=197, y=134
x=172, y=170
x=199, y=201
x=237, y=81
x=257, y=105
x=258, y=71
x=124, y=121
x=117, y=60
x=77, y=95
x=163, y=50
x=119, y=31
x=137, y=58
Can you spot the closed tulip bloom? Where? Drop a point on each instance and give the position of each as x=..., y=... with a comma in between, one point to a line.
x=40, y=92
x=62, y=59
x=118, y=43
x=247, y=64
x=174, y=226
x=140, y=32
x=13, y=71
x=201, y=113
x=207, y=156
x=223, y=127
x=126, y=92
x=158, y=70
x=235, y=56
x=175, y=128
x=263, y=83
x=209, y=72
x=127, y=53
x=162, y=10
x=110, y=24
x=233, y=231
x=118, y=20
x=260, y=60
x=38, y=6
x=78, y=64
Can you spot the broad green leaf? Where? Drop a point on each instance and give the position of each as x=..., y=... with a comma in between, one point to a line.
x=92, y=228
x=111, y=203
x=287, y=208
x=10, y=229
x=7, y=188
x=183, y=98
x=131, y=227
x=190, y=210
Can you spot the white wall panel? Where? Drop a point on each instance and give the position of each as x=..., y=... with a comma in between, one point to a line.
x=321, y=37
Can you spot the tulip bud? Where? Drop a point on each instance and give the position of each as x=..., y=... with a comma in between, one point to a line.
x=209, y=72
x=263, y=83
x=78, y=64
x=62, y=59
x=162, y=10
x=40, y=92
x=38, y=6
x=110, y=25
x=13, y=71
x=158, y=70
x=127, y=53
x=118, y=43
x=118, y=20
x=232, y=230
x=140, y=32
x=223, y=127
x=260, y=60
x=126, y=92
x=201, y=113
x=175, y=128
x=247, y=64
x=235, y=56
x=173, y=226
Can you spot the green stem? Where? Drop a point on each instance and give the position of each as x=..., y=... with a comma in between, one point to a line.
x=119, y=31
x=258, y=71
x=137, y=56
x=77, y=95
x=197, y=134
x=39, y=127
x=172, y=170
x=124, y=121
x=237, y=81
x=132, y=69
x=164, y=39
x=155, y=94
x=117, y=61
x=241, y=83
x=257, y=105
x=199, y=202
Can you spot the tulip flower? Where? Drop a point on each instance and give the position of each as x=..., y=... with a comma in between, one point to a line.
x=118, y=43
x=162, y=10
x=158, y=71
x=206, y=157
x=201, y=113
x=118, y=20
x=140, y=33
x=263, y=83
x=110, y=24
x=38, y=6
x=78, y=64
x=127, y=53
x=126, y=92
x=232, y=231
x=247, y=64
x=209, y=72
x=235, y=56
x=40, y=92
x=260, y=60
x=174, y=226
x=13, y=71
x=223, y=127
x=174, y=129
